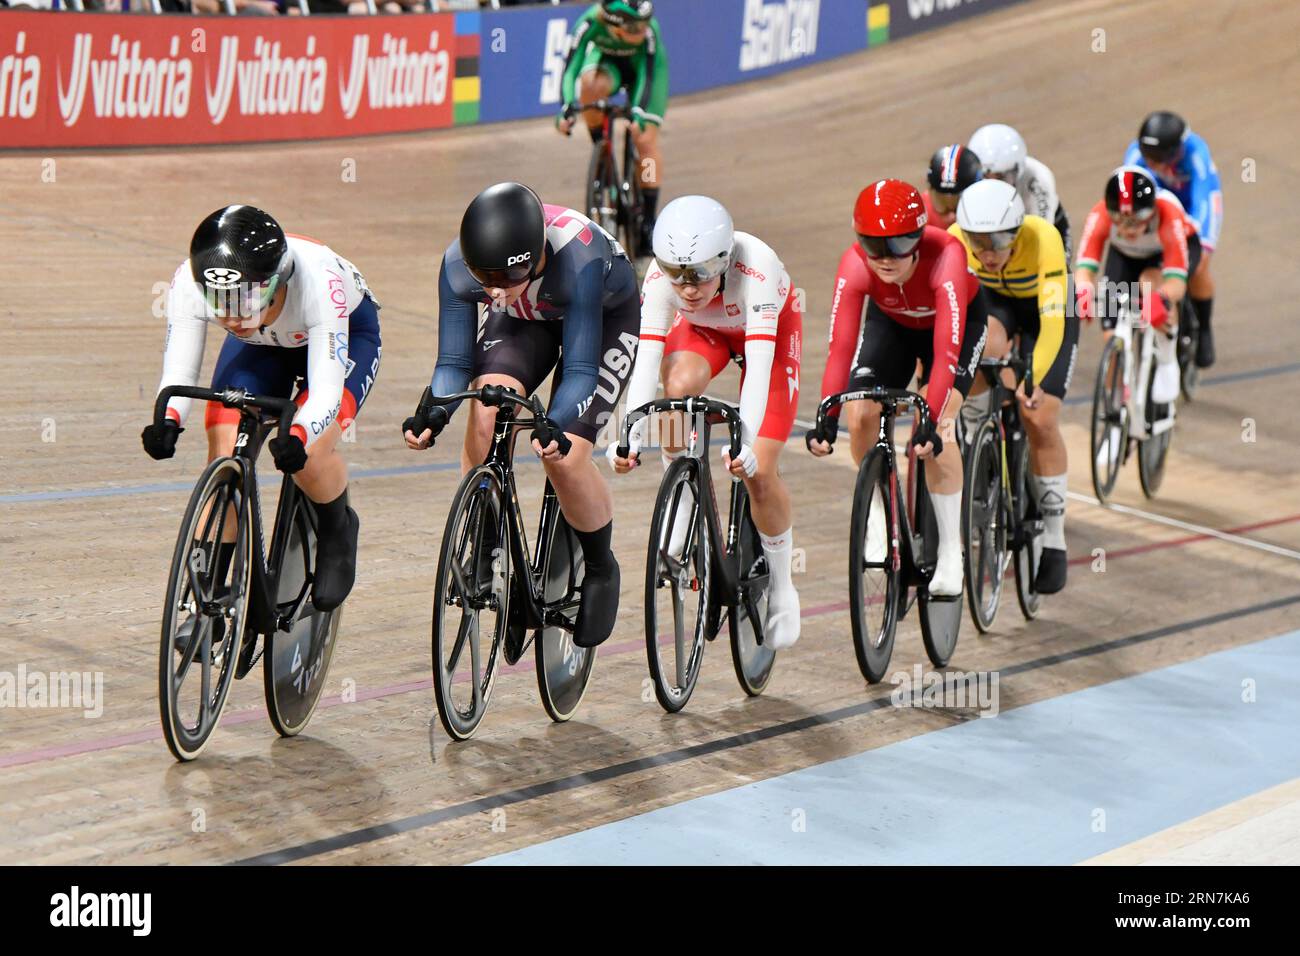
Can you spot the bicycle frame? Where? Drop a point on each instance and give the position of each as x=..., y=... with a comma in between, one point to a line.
x=726, y=543
x=1139, y=358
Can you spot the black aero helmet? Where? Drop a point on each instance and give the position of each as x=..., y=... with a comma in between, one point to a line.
x=239, y=256
x=502, y=235
x=953, y=168
x=1131, y=191
x=624, y=13
x=1161, y=136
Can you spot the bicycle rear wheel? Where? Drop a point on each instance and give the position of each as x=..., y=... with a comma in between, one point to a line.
x=563, y=668
x=875, y=574
x=296, y=662
x=602, y=200
x=750, y=656
x=678, y=585
x=1027, y=532
x=1153, y=451
x=471, y=602
x=940, y=617
x=984, y=525
x=1109, y=420
x=206, y=609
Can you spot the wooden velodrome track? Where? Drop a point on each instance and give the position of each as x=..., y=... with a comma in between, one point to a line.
x=376, y=778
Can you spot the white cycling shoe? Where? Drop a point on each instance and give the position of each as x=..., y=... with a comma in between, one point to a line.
x=781, y=629
x=1164, y=389
x=947, y=579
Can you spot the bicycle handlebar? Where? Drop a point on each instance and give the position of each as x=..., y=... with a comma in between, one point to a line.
x=495, y=396
x=691, y=405
x=893, y=397
x=229, y=397
x=1022, y=367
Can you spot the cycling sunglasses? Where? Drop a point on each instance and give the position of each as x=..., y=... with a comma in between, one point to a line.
x=991, y=241
x=244, y=299
x=890, y=247
x=502, y=278
x=696, y=273
x=944, y=202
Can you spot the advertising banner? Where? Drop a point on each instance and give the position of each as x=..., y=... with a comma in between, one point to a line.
x=115, y=80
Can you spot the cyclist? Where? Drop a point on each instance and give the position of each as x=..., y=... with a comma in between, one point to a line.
x=1179, y=160
x=558, y=290
x=1152, y=242
x=1020, y=261
x=903, y=293
x=617, y=44
x=952, y=169
x=293, y=308
x=716, y=294
x=1005, y=157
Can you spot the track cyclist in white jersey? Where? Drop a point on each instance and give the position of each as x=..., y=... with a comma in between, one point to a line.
x=715, y=294
x=294, y=308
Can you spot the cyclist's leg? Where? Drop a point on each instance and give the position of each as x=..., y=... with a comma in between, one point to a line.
x=324, y=479
x=885, y=357
x=1201, y=284
x=943, y=472
x=1048, y=462
x=1002, y=328
x=512, y=353
x=768, y=493
x=584, y=494
x=693, y=357
x=597, y=81
x=1166, y=385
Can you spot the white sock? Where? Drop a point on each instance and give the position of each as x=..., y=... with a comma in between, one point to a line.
x=947, y=514
x=1049, y=492
x=778, y=549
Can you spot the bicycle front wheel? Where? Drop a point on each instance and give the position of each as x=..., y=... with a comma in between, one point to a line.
x=1028, y=532
x=677, y=585
x=206, y=609
x=984, y=525
x=875, y=574
x=563, y=668
x=471, y=602
x=1109, y=420
x=296, y=661
x=1153, y=451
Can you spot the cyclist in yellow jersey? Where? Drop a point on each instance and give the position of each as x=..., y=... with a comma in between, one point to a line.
x=1020, y=262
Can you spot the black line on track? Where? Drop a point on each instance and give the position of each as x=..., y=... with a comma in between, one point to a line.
x=573, y=781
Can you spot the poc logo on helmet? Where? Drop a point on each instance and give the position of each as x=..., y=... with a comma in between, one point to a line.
x=515, y=260
x=221, y=278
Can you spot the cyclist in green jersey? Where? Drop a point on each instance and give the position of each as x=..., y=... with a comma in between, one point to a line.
x=615, y=45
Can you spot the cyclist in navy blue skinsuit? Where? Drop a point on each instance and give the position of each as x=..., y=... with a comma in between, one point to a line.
x=558, y=290
x=1181, y=163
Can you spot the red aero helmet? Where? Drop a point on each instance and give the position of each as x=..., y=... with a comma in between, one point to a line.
x=889, y=207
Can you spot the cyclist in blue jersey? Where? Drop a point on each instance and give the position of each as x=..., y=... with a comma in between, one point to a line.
x=1181, y=163
x=557, y=289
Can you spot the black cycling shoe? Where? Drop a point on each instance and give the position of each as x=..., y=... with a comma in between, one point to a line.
x=336, y=566
x=1052, y=566
x=1205, y=349
x=598, y=606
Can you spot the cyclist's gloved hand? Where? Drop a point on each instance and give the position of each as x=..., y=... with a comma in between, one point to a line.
x=827, y=432
x=546, y=431
x=431, y=418
x=633, y=456
x=639, y=117
x=160, y=440
x=564, y=119
x=928, y=433
x=289, y=452
x=745, y=459
x=1158, y=310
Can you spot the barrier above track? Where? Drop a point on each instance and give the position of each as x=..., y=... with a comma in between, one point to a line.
x=95, y=80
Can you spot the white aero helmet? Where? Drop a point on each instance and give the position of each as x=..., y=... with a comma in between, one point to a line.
x=990, y=214
x=1001, y=149
x=693, y=240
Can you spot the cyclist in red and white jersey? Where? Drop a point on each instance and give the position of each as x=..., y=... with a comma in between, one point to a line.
x=1153, y=246
x=903, y=293
x=715, y=294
